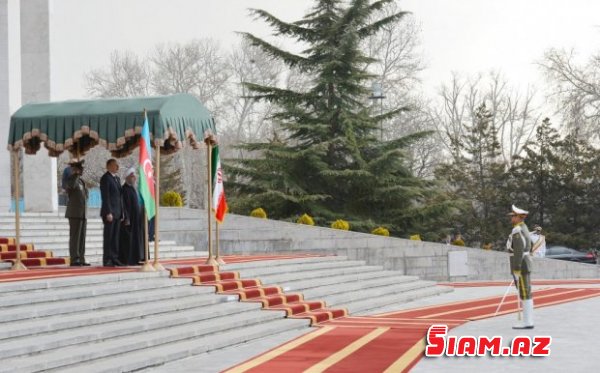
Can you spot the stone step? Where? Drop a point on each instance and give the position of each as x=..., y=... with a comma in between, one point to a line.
x=84, y=352
x=50, y=230
x=318, y=277
x=76, y=281
x=28, y=345
x=155, y=356
x=346, y=284
x=331, y=277
x=96, y=259
x=100, y=302
x=312, y=267
x=163, y=247
x=36, y=229
x=246, y=266
x=229, y=356
x=374, y=296
x=364, y=307
x=56, y=323
x=42, y=240
x=90, y=291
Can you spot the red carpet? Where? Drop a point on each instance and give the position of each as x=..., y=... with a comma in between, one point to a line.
x=590, y=281
x=392, y=342
x=252, y=290
x=29, y=257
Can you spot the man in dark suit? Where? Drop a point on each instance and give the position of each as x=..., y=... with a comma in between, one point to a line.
x=131, y=247
x=111, y=213
x=76, y=213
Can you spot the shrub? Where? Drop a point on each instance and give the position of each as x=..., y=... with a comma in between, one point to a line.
x=341, y=224
x=171, y=199
x=305, y=219
x=458, y=242
x=259, y=213
x=381, y=231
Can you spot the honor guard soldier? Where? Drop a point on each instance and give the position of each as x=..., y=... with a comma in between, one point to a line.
x=519, y=245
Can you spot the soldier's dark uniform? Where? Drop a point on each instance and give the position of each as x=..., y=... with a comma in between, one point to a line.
x=77, y=215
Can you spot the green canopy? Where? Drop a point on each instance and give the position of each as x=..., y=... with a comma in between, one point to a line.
x=79, y=125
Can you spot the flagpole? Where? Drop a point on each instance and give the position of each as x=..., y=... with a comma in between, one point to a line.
x=156, y=264
x=18, y=265
x=146, y=267
x=217, y=256
x=210, y=260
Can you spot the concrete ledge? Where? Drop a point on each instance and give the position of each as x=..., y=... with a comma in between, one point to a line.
x=427, y=260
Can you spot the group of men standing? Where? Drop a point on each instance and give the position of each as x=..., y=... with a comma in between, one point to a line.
x=121, y=213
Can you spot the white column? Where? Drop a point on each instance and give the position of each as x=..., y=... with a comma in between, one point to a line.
x=10, y=87
x=39, y=171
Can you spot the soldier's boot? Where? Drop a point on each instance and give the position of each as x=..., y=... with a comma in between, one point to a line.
x=527, y=315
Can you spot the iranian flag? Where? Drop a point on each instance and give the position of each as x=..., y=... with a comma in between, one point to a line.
x=146, y=172
x=219, y=204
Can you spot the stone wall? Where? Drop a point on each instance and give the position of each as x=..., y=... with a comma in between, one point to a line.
x=440, y=262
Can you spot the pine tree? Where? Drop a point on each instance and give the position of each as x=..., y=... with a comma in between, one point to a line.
x=172, y=175
x=558, y=180
x=534, y=184
x=575, y=219
x=477, y=177
x=326, y=160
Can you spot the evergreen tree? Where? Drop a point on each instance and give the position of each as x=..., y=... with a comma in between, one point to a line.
x=477, y=176
x=171, y=178
x=326, y=160
x=575, y=219
x=558, y=181
x=534, y=184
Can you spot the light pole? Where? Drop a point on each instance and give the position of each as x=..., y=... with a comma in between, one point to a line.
x=377, y=94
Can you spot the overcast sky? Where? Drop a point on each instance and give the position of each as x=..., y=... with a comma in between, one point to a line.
x=466, y=36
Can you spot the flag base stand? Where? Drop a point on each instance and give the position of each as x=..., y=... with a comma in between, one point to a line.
x=147, y=267
x=158, y=267
x=212, y=261
x=18, y=266
x=219, y=260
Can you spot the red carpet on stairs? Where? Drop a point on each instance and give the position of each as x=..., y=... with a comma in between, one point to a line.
x=29, y=257
x=252, y=290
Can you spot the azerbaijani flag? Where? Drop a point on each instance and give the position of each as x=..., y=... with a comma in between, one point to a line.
x=219, y=204
x=146, y=172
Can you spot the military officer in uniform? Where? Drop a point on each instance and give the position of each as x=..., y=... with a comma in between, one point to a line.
x=519, y=245
x=76, y=213
x=538, y=242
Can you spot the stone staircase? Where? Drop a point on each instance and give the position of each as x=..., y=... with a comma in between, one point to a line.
x=135, y=321
x=50, y=231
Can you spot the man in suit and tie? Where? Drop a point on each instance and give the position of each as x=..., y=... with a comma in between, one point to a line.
x=111, y=213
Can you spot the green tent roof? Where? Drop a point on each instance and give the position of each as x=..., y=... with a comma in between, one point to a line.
x=79, y=125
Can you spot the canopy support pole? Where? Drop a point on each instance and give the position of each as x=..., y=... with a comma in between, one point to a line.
x=211, y=260
x=156, y=264
x=18, y=265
